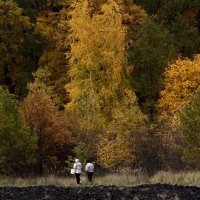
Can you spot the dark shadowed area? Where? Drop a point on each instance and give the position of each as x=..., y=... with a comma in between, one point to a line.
x=143, y=192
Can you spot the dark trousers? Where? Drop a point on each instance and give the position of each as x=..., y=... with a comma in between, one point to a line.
x=78, y=180
x=90, y=175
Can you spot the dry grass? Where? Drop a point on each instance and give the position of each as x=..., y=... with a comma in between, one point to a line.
x=120, y=180
x=48, y=180
x=182, y=178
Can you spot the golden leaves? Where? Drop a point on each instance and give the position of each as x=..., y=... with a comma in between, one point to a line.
x=99, y=86
x=182, y=79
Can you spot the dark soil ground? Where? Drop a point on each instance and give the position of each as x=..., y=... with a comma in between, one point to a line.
x=143, y=192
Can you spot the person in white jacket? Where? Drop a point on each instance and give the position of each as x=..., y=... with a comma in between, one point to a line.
x=89, y=168
x=77, y=167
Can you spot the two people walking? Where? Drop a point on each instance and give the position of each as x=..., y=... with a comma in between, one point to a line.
x=89, y=169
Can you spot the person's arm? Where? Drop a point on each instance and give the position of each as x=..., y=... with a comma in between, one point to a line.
x=74, y=167
x=86, y=168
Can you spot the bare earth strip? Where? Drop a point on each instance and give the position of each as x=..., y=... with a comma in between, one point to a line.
x=142, y=192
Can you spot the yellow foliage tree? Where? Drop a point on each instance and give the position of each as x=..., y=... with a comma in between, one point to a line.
x=118, y=145
x=181, y=81
x=99, y=86
x=97, y=59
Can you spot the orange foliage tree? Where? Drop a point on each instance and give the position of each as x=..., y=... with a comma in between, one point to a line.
x=55, y=130
x=53, y=68
x=133, y=17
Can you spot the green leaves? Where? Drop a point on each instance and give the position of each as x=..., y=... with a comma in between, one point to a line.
x=149, y=54
x=16, y=58
x=190, y=125
x=17, y=145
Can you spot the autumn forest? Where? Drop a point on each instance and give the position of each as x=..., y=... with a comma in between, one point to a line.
x=115, y=81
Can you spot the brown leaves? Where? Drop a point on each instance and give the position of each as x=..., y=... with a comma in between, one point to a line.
x=54, y=129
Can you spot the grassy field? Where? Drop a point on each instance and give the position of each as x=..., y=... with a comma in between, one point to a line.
x=183, y=178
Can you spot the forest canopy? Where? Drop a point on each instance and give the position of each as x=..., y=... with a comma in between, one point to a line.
x=113, y=81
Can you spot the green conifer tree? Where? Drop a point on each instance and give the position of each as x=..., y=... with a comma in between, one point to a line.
x=150, y=54
x=17, y=145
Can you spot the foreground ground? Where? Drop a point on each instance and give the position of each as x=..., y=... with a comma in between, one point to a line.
x=142, y=192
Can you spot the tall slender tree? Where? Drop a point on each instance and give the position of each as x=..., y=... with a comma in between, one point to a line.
x=99, y=88
x=190, y=125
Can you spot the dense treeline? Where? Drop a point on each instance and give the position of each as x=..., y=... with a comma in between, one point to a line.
x=113, y=81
